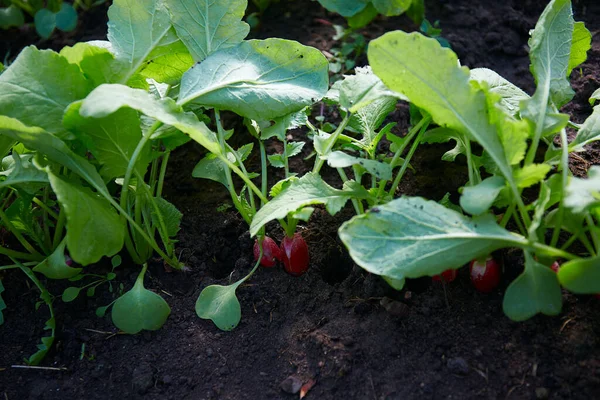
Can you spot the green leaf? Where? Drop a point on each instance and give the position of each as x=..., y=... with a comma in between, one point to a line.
x=589, y=131
x=206, y=26
x=168, y=61
x=581, y=275
x=550, y=51
x=396, y=284
x=140, y=309
x=171, y=216
x=531, y=174
x=535, y=291
x=53, y=148
x=213, y=168
x=391, y=8
x=258, y=79
x=583, y=194
x=66, y=18
x=443, y=135
x=306, y=191
x=220, y=304
x=510, y=94
x=135, y=29
x=94, y=229
x=580, y=44
x=413, y=237
x=21, y=173
x=362, y=18
x=595, y=96
x=369, y=118
x=37, y=88
x=112, y=139
x=70, y=294
x=55, y=266
x=97, y=63
x=478, y=199
x=437, y=84
x=11, y=16
x=47, y=341
x=338, y=159
x=45, y=22
x=107, y=99
x=359, y=90
x=345, y=8
x=282, y=124
x=2, y=303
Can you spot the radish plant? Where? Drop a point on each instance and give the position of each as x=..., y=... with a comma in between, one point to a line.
x=360, y=12
x=413, y=237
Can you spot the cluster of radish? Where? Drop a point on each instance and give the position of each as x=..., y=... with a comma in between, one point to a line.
x=293, y=253
x=485, y=274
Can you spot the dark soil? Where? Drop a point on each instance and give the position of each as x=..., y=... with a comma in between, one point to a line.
x=328, y=325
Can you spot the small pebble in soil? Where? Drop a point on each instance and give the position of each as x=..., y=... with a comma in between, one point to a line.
x=209, y=352
x=167, y=379
x=394, y=307
x=542, y=393
x=291, y=384
x=458, y=365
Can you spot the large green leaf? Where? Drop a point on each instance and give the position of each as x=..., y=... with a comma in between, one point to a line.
x=37, y=88
x=308, y=190
x=580, y=44
x=135, y=29
x=438, y=84
x=97, y=63
x=581, y=275
x=258, y=79
x=346, y=8
x=94, y=229
x=112, y=139
x=206, y=26
x=220, y=305
x=391, y=8
x=413, y=237
x=140, y=309
x=535, y=291
x=55, y=265
x=107, y=99
x=50, y=146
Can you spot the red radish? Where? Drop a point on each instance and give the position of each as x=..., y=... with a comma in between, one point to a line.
x=447, y=276
x=485, y=275
x=271, y=252
x=294, y=254
x=555, y=266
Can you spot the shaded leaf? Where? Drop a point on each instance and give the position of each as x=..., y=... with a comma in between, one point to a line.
x=220, y=305
x=55, y=265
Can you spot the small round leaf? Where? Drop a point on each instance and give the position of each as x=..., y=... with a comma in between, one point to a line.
x=220, y=304
x=45, y=22
x=66, y=18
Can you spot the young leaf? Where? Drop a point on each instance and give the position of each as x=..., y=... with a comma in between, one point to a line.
x=359, y=90
x=338, y=159
x=168, y=61
x=70, y=294
x=510, y=94
x=391, y=8
x=94, y=229
x=37, y=88
x=369, y=118
x=413, y=237
x=55, y=266
x=206, y=26
x=443, y=135
x=531, y=174
x=45, y=22
x=581, y=275
x=536, y=290
x=441, y=87
x=21, y=173
x=582, y=194
x=66, y=18
x=11, y=16
x=478, y=199
x=589, y=132
x=396, y=284
x=258, y=79
x=2, y=303
x=112, y=139
x=107, y=99
x=171, y=216
x=97, y=63
x=53, y=148
x=283, y=124
x=220, y=304
x=135, y=29
x=140, y=309
x=308, y=190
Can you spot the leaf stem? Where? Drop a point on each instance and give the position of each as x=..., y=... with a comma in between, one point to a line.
x=411, y=152
x=358, y=207
x=331, y=142
x=161, y=175
x=18, y=235
x=263, y=166
x=564, y=161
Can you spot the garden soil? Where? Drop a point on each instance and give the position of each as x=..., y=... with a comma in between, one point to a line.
x=327, y=329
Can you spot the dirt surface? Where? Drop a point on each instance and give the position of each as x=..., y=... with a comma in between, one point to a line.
x=328, y=325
